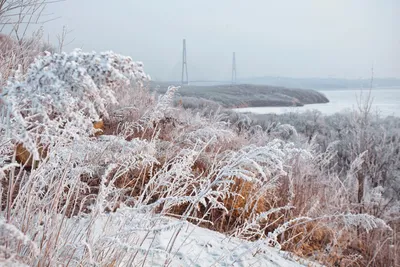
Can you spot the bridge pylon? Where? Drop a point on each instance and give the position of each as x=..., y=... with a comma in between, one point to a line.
x=185, y=76
x=234, y=68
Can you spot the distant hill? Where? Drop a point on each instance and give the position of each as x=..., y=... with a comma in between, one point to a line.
x=323, y=83
x=247, y=95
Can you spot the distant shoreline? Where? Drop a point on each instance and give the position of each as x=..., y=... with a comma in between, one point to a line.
x=245, y=95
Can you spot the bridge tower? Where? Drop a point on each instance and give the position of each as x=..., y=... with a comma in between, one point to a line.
x=234, y=68
x=185, y=77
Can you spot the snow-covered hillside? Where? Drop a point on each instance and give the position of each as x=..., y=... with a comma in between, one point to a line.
x=172, y=242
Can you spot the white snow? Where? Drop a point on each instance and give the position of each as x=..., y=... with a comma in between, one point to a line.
x=193, y=246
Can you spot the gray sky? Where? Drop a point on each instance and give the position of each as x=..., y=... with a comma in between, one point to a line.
x=294, y=38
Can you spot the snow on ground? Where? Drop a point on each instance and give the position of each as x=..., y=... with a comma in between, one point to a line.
x=192, y=245
x=202, y=247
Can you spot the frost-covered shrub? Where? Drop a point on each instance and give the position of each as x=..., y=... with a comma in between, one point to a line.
x=162, y=108
x=20, y=54
x=62, y=94
x=203, y=130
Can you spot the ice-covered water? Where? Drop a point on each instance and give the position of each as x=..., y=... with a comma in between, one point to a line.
x=385, y=101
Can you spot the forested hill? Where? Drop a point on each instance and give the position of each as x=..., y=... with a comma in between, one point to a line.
x=248, y=95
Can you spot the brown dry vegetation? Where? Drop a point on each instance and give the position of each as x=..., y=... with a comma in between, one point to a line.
x=318, y=240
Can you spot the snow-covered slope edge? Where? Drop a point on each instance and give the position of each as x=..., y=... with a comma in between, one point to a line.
x=163, y=241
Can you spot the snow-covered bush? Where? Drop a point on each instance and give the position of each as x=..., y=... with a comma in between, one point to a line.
x=61, y=95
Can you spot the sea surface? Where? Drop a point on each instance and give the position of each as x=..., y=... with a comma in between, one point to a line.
x=384, y=101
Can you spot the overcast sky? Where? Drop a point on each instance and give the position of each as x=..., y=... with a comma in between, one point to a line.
x=293, y=38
